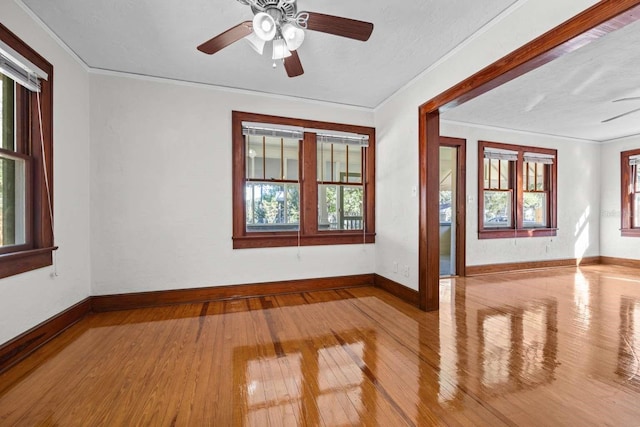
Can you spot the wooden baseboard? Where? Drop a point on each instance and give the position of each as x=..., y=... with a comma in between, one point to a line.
x=625, y=262
x=181, y=296
x=476, y=270
x=23, y=345
x=394, y=288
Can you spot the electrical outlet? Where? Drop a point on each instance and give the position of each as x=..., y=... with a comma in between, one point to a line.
x=405, y=270
x=395, y=266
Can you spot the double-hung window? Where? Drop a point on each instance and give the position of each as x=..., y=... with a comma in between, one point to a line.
x=26, y=174
x=630, y=168
x=340, y=181
x=301, y=182
x=517, y=191
x=272, y=185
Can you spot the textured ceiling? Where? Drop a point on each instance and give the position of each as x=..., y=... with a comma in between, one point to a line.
x=570, y=96
x=159, y=38
x=567, y=97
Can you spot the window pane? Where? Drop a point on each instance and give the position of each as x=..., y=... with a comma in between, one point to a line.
x=445, y=206
x=355, y=164
x=637, y=174
x=340, y=207
x=535, y=210
x=496, y=174
x=504, y=174
x=487, y=164
x=272, y=207
x=540, y=168
x=497, y=209
x=272, y=158
x=12, y=201
x=448, y=178
x=534, y=176
x=636, y=211
x=529, y=176
x=7, y=108
x=333, y=165
x=331, y=159
x=291, y=168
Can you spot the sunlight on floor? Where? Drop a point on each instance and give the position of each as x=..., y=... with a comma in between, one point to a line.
x=582, y=234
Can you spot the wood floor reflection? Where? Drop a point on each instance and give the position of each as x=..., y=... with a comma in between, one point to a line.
x=557, y=347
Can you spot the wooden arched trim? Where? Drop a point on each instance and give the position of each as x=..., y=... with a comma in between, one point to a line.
x=584, y=28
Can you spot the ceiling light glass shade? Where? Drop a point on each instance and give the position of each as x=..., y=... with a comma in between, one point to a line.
x=264, y=26
x=293, y=36
x=280, y=50
x=255, y=42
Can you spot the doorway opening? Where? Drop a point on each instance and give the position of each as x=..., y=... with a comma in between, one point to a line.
x=597, y=21
x=452, y=206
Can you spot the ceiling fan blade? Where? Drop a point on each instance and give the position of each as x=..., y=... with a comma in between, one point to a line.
x=293, y=65
x=621, y=115
x=633, y=98
x=230, y=36
x=339, y=26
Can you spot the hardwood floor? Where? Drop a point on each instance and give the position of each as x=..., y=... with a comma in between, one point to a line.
x=553, y=347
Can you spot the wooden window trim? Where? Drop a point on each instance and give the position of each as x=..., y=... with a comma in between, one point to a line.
x=626, y=178
x=37, y=253
x=516, y=173
x=309, y=234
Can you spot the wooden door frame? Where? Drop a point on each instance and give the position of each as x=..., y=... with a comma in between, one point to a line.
x=599, y=20
x=460, y=145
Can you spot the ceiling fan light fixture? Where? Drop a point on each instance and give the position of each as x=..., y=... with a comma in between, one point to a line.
x=280, y=50
x=279, y=22
x=255, y=42
x=264, y=26
x=293, y=36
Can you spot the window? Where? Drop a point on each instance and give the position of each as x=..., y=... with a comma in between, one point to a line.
x=26, y=174
x=301, y=182
x=517, y=191
x=340, y=186
x=272, y=187
x=630, y=168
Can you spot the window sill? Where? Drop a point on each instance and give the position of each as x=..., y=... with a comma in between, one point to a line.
x=20, y=262
x=630, y=232
x=520, y=233
x=325, y=238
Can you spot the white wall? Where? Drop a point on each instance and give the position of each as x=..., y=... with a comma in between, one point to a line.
x=397, y=125
x=612, y=244
x=30, y=298
x=578, y=199
x=127, y=222
x=161, y=209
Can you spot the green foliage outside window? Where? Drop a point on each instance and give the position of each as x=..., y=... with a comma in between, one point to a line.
x=272, y=204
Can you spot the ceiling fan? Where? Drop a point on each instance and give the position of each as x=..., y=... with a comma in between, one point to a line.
x=279, y=22
x=633, y=98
